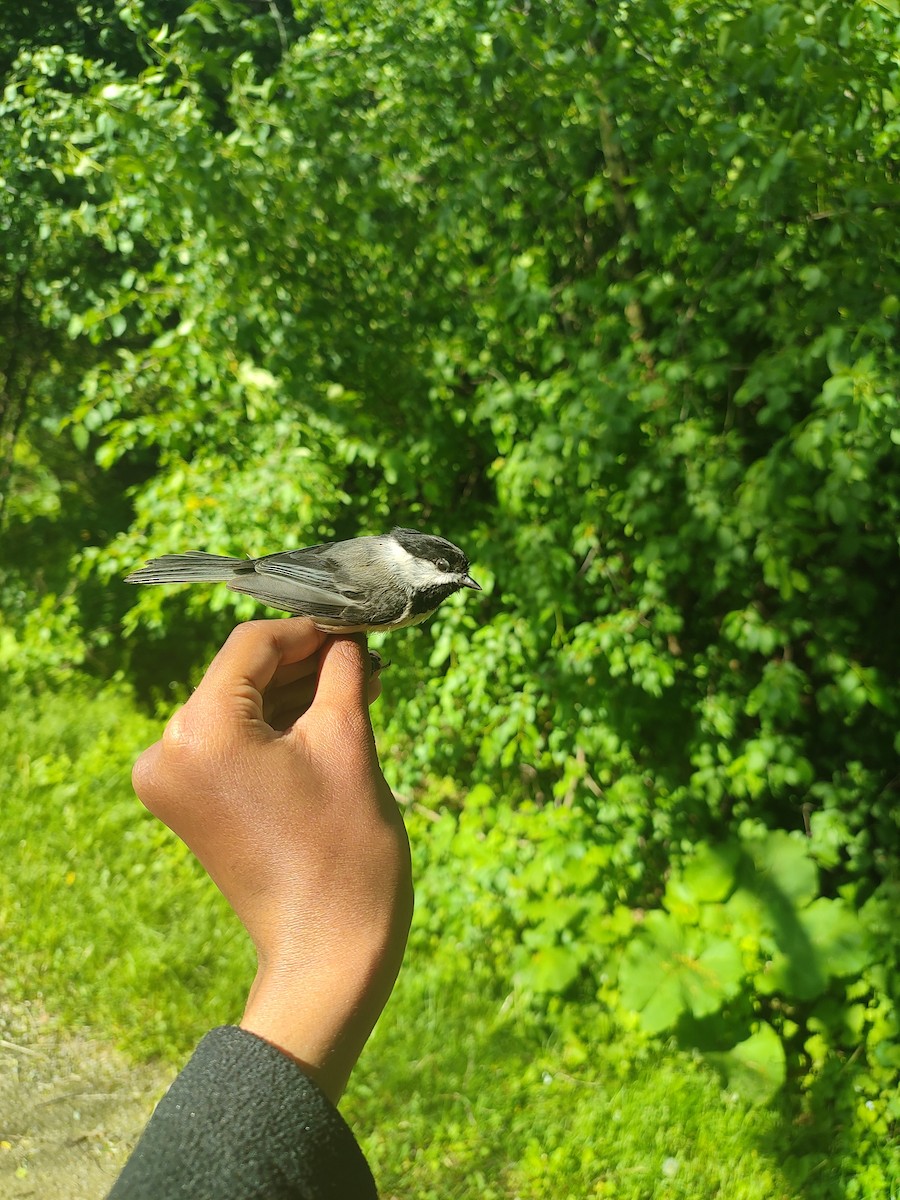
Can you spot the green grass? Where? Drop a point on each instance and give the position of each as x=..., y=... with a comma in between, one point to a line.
x=102, y=910
x=463, y=1098
x=462, y=1092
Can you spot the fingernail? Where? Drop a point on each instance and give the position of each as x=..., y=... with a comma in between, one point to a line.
x=378, y=663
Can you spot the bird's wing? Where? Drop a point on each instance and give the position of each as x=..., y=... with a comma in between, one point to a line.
x=307, y=582
x=324, y=583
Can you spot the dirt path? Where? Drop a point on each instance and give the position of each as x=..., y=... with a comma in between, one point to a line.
x=70, y=1109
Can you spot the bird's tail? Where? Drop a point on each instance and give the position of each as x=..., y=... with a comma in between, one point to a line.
x=190, y=568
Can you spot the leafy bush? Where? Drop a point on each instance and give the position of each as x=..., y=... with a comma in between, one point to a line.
x=744, y=961
x=609, y=298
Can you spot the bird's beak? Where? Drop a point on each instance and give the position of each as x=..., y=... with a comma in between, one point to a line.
x=468, y=581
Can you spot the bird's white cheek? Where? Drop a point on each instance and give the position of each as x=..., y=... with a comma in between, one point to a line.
x=415, y=572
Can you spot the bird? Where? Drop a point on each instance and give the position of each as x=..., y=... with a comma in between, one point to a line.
x=368, y=584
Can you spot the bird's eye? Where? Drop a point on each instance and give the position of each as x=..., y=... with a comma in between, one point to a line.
x=442, y=564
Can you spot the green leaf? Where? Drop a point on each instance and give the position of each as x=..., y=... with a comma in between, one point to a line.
x=550, y=969
x=707, y=877
x=837, y=936
x=779, y=867
x=824, y=941
x=668, y=970
x=754, y=1068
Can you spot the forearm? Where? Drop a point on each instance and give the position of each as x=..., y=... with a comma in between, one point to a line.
x=319, y=1004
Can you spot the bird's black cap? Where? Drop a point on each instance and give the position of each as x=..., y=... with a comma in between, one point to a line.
x=427, y=546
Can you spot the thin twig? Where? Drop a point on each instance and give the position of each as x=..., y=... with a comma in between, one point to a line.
x=5, y=1045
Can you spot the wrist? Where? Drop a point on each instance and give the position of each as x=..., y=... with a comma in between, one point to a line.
x=321, y=1017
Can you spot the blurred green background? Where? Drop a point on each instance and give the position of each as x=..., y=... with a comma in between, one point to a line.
x=609, y=295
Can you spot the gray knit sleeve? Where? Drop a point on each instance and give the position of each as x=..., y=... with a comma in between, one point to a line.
x=243, y=1122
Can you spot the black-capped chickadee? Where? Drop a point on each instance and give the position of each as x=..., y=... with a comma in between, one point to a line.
x=367, y=584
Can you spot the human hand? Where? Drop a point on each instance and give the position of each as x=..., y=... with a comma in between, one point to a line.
x=269, y=774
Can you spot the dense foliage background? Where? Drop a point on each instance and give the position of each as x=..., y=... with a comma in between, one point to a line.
x=609, y=295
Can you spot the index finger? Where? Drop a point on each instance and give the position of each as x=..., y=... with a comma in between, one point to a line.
x=344, y=672
x=244, y=667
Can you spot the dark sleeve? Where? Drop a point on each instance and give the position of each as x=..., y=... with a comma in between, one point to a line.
x=243, y=1122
